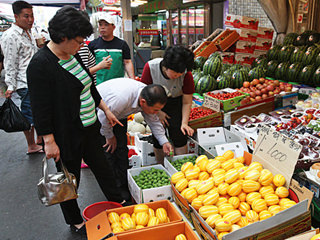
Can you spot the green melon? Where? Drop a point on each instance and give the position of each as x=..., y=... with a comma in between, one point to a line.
x=317, y=61
x=214, y=55
x=290, y=38
x=205, y=84
x=281, y=71
x=310, y=55
x=297, y=55
x=224, y=81
x=198, y=62
x=306, y=74
x=273, y=52
x=238, y=78
x=316, y=78
x=256, y=73
x=271, y=68
x=303, y=38
x=294, y=71
x=225, y=67
x=285, y=53
x=213, y=67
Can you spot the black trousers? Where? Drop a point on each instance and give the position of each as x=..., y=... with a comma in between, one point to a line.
x=91, y=150
x=119, y=159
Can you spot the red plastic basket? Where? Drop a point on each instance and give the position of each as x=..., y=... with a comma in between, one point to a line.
x=98, y=207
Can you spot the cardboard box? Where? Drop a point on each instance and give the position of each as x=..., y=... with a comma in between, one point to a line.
x=99, y=226
x=248, y=35
x=263, y=44
x=145, y=149
x=225, y=39
x=212, y=120
x=258, y=53
x=218, y=140
x=161, y=232
x=227, y=57
x=249, y=137
x=147, y=195
x=225, y=105
x=171, y=169
x=182, y=203
x=266, y=33
x=245, y=47
x=244, y=59
x=286, y=100
x=237, y=21
x=135, y=160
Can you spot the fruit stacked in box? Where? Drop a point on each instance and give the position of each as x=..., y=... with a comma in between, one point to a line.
x=152, y=178
x=177, y=164
x=142, y=215
x=199, y=112
x=230, y=195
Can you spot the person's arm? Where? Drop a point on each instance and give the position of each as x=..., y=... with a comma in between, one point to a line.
x=104, y=64
x=51, y=148
x=146, y=75
x=10, y=51
x=109, y=115
x=129, y=68
x=186, y=108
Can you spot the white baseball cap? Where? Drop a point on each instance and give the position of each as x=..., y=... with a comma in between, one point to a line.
x=106, y=17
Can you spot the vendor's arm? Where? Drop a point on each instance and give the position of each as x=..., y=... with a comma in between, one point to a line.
x=188, y=90
x=51, y=148
x=10, y=51
x=129, y=68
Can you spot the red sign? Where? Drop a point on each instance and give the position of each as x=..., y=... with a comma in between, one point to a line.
x=148, y=31
x=109, y=2
x=191, y=31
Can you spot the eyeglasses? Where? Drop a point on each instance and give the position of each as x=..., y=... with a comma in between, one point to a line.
x=79, y=42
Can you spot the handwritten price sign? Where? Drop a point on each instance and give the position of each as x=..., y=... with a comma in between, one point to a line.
x=276, y=152
x=211, y=103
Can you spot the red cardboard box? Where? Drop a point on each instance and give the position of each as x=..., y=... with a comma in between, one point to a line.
x=263, y=44
x=227, y=57
x=266, y=33
x=249, y=35
x=243, y=58
x=245, y=47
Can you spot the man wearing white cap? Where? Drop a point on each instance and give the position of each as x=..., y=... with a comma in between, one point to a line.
x=109, y=45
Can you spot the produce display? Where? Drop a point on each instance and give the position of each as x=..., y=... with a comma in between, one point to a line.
x=199, y=112
x=177, y=164
x=138, y=125
x=152, y=178
x=224, y=95
x=231, y=195
x=142, y=216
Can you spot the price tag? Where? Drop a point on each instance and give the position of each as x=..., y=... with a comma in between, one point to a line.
x=211, y=103
x=276, y=152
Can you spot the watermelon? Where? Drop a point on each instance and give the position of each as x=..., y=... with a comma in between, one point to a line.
x=225, y=67
x=256, y=73
x=245, y=68
x=236, y=67
x=285, y=53
x=297, y=55
x=273, y=52
x=198, y=62
x=213, y=67
x=271, y=68
x=239, y=77
x=263, y=63
x=306, y=74
x=314, y=38
x=214, y=55
x=302, y=38
x=290, y=38
x=294, y=71
x=316, y=78
x=281, y=71
x=224, y=81
x=196, y=77
x=205, y=84
x=258, y=60
x=317, y=61
x=310, y=55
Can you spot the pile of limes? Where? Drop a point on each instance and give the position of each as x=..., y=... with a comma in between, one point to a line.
x=152, y=178
x=179, y=162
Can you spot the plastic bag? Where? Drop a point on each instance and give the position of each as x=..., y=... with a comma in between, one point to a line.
x=11, y=118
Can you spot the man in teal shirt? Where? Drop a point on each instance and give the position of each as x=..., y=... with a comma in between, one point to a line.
x=109, y=45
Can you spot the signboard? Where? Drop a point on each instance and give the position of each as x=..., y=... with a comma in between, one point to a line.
x=278, y=153
x=109, y=2
x=156, y=5
x=148, y=31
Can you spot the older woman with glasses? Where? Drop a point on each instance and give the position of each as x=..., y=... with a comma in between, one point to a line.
x=64, y=100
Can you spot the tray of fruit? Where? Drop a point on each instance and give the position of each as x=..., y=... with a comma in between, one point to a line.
x=174, y=165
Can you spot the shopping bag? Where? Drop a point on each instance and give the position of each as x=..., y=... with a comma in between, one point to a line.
x=11, y=118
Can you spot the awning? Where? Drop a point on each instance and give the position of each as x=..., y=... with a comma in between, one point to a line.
x=47, y=2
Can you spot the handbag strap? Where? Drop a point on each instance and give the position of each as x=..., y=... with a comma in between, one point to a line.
x=46, y=174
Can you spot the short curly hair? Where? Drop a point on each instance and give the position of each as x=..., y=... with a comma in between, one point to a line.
x=178, y=59
x=69, y=23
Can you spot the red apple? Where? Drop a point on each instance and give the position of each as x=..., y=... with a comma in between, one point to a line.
x=258, y=93
x=264, y=96
x=270, y=88
x=270, y=94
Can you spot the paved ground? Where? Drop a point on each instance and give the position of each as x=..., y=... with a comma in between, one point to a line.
x=23, y=217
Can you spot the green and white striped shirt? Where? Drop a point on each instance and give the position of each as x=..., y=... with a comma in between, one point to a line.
x=87, y=109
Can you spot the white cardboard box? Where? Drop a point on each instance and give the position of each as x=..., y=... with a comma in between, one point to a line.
x=135, y=160
x=169, y=166
x=145, y=149
x=218, y=140
x=250, y=138
x=148, y=195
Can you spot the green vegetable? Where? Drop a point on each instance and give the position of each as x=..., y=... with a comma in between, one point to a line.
x=152, y=178
x=179, y=162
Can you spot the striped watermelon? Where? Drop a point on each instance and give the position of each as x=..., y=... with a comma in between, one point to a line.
x=290, y=38
x=245, y=68
x=297, y=55
x=294, y=71
x=256, y=73
x=306, y=74
x=281, y=71
x=285, y=53
x=273, y=52
x=317, y=60
x=239, y=77
x=214, y=55
x=225, y=67
x=316, y=78
x=206, y=83
x=272, y=66
x=213, y=67
x=310, y=55
x=236, y=67
x=196, y=77
x=224, y=81
x=257, y=61
x=199, y=61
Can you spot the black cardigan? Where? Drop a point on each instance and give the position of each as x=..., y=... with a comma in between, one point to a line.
x=55, y=100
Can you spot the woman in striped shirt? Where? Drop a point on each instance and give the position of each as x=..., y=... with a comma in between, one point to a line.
x=64, y=100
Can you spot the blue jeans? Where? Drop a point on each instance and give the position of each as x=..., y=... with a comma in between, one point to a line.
x=25, y=104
